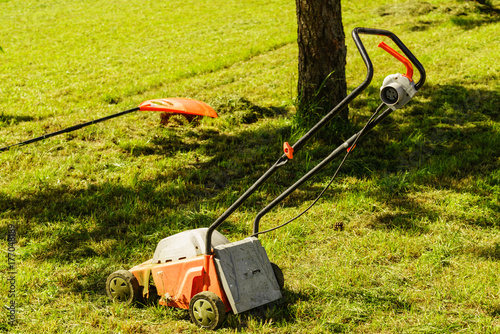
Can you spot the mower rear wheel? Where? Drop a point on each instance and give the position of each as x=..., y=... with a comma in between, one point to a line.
x=279, y=275
x=207, y=310
x=122, y=286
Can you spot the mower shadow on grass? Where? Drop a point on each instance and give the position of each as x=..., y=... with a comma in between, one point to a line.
x=75, y=219
x=115, y=221
x=427, y=149
x=282, y=311
x=289, y=309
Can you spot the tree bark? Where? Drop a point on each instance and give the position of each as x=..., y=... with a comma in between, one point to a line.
x=322, y=58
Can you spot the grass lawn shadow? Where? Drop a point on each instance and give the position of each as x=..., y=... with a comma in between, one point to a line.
x=8, y=120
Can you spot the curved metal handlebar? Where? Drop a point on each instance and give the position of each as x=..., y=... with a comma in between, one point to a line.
x=395, y=39
x=328, y=117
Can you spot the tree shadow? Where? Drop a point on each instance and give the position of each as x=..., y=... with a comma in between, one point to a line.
x=468, y=23
x=8, y=120
x=444, y=136
x=467, y=15
x=461, y=14
x=126, y=216
x=399, y=221
x=490, y=252
x=437, y=124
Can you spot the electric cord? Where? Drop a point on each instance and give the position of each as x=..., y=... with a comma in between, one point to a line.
x=333, y=177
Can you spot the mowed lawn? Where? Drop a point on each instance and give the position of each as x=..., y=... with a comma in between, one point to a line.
x=418, y=198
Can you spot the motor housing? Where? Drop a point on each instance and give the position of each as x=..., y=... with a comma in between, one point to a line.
x=397, y=89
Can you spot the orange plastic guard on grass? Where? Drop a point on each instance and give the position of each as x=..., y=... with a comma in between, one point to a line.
x=398, y=56
x=179, y=106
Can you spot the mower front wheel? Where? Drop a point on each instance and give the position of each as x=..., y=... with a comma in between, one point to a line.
x=122, y=286
x=207, y=310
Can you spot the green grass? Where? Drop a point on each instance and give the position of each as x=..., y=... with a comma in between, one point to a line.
x=418, y=198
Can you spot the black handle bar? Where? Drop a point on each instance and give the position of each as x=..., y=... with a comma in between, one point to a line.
x=395, y=39
x=70, y=129
x=327, y=118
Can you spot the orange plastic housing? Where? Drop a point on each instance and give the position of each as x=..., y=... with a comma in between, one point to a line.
x=179, y=106
x=288, y=149
x=178, y=281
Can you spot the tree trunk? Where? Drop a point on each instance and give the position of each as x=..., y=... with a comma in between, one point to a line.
x=322, y=59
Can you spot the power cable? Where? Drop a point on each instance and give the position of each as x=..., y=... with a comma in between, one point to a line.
x=333, y=177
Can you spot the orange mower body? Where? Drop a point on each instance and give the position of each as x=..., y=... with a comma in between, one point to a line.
x=178, y=281
x=234, y=277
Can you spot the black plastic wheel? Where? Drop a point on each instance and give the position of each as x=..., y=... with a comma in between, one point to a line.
x=207, y=310
x=279, y=275
x=122, y=286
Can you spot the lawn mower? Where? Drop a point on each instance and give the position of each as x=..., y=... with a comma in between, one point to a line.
x=201, y=271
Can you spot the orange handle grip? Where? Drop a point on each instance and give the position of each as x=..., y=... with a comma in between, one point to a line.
x=288, y=149
x=395, y=54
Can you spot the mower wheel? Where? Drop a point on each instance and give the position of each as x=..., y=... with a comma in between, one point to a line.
x=279, y=275
x=122, y=286
x=207, y=310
